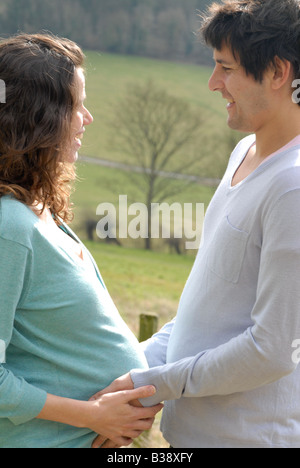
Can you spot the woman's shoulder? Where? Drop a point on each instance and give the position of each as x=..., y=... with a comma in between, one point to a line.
x=17, y=221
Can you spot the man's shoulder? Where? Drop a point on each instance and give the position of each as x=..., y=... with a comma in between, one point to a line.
x=286, y=170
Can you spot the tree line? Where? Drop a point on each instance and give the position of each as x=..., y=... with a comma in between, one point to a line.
x=163, y=29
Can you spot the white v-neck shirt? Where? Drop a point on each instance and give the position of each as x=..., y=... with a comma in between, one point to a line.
x=224, y=366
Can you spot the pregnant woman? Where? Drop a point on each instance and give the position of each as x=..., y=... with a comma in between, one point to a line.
x=60, y=333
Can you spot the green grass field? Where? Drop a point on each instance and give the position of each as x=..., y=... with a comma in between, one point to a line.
x=109, y=75
x=98, y=184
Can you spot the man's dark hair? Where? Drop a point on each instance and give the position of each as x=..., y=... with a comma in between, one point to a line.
x=257, y=31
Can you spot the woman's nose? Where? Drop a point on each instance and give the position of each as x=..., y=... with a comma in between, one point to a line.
x=88, y=118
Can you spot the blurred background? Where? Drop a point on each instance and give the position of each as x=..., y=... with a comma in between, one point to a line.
x=152, y=28
x=159, y=135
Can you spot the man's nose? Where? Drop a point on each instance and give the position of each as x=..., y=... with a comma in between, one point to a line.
x=215, y=82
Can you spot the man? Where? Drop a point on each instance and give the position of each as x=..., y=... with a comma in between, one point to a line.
x=225, y=365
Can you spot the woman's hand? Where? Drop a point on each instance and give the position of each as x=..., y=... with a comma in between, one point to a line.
x=102, y=442
x=121, y=384
x=112, y=415
x=117, y=416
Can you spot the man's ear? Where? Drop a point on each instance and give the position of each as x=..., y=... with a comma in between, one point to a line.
x=281, y=72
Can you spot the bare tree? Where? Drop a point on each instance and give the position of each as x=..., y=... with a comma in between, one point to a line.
x=158, y=132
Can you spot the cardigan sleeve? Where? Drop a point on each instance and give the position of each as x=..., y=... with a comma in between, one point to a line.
x=19, y=401
x=263, y=353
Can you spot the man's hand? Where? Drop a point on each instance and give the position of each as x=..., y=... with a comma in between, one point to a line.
x=122, y=383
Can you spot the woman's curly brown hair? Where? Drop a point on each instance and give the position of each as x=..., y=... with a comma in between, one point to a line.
x=38, y=71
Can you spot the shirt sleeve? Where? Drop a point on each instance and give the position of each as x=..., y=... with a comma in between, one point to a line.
x=19, y=401
x=155, y=348
x=263, y=353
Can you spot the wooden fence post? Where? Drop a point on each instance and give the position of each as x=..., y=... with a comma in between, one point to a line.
x=148, y=326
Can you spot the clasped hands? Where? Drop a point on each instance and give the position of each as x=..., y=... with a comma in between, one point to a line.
x=124, y=418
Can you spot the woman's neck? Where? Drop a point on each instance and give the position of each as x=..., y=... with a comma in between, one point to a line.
x=43, y=213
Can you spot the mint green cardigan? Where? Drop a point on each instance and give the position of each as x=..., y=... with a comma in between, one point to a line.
x=62, y=333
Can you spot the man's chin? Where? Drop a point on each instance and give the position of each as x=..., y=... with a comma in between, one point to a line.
x=236, y=125
x=233, y=124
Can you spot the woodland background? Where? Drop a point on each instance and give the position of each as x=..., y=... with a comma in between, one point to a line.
x=163, y=29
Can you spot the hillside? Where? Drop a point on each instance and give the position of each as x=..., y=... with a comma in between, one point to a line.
x=108, y=76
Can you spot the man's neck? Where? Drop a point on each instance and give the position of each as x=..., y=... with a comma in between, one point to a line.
x=277, y=133
x=269, y=139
